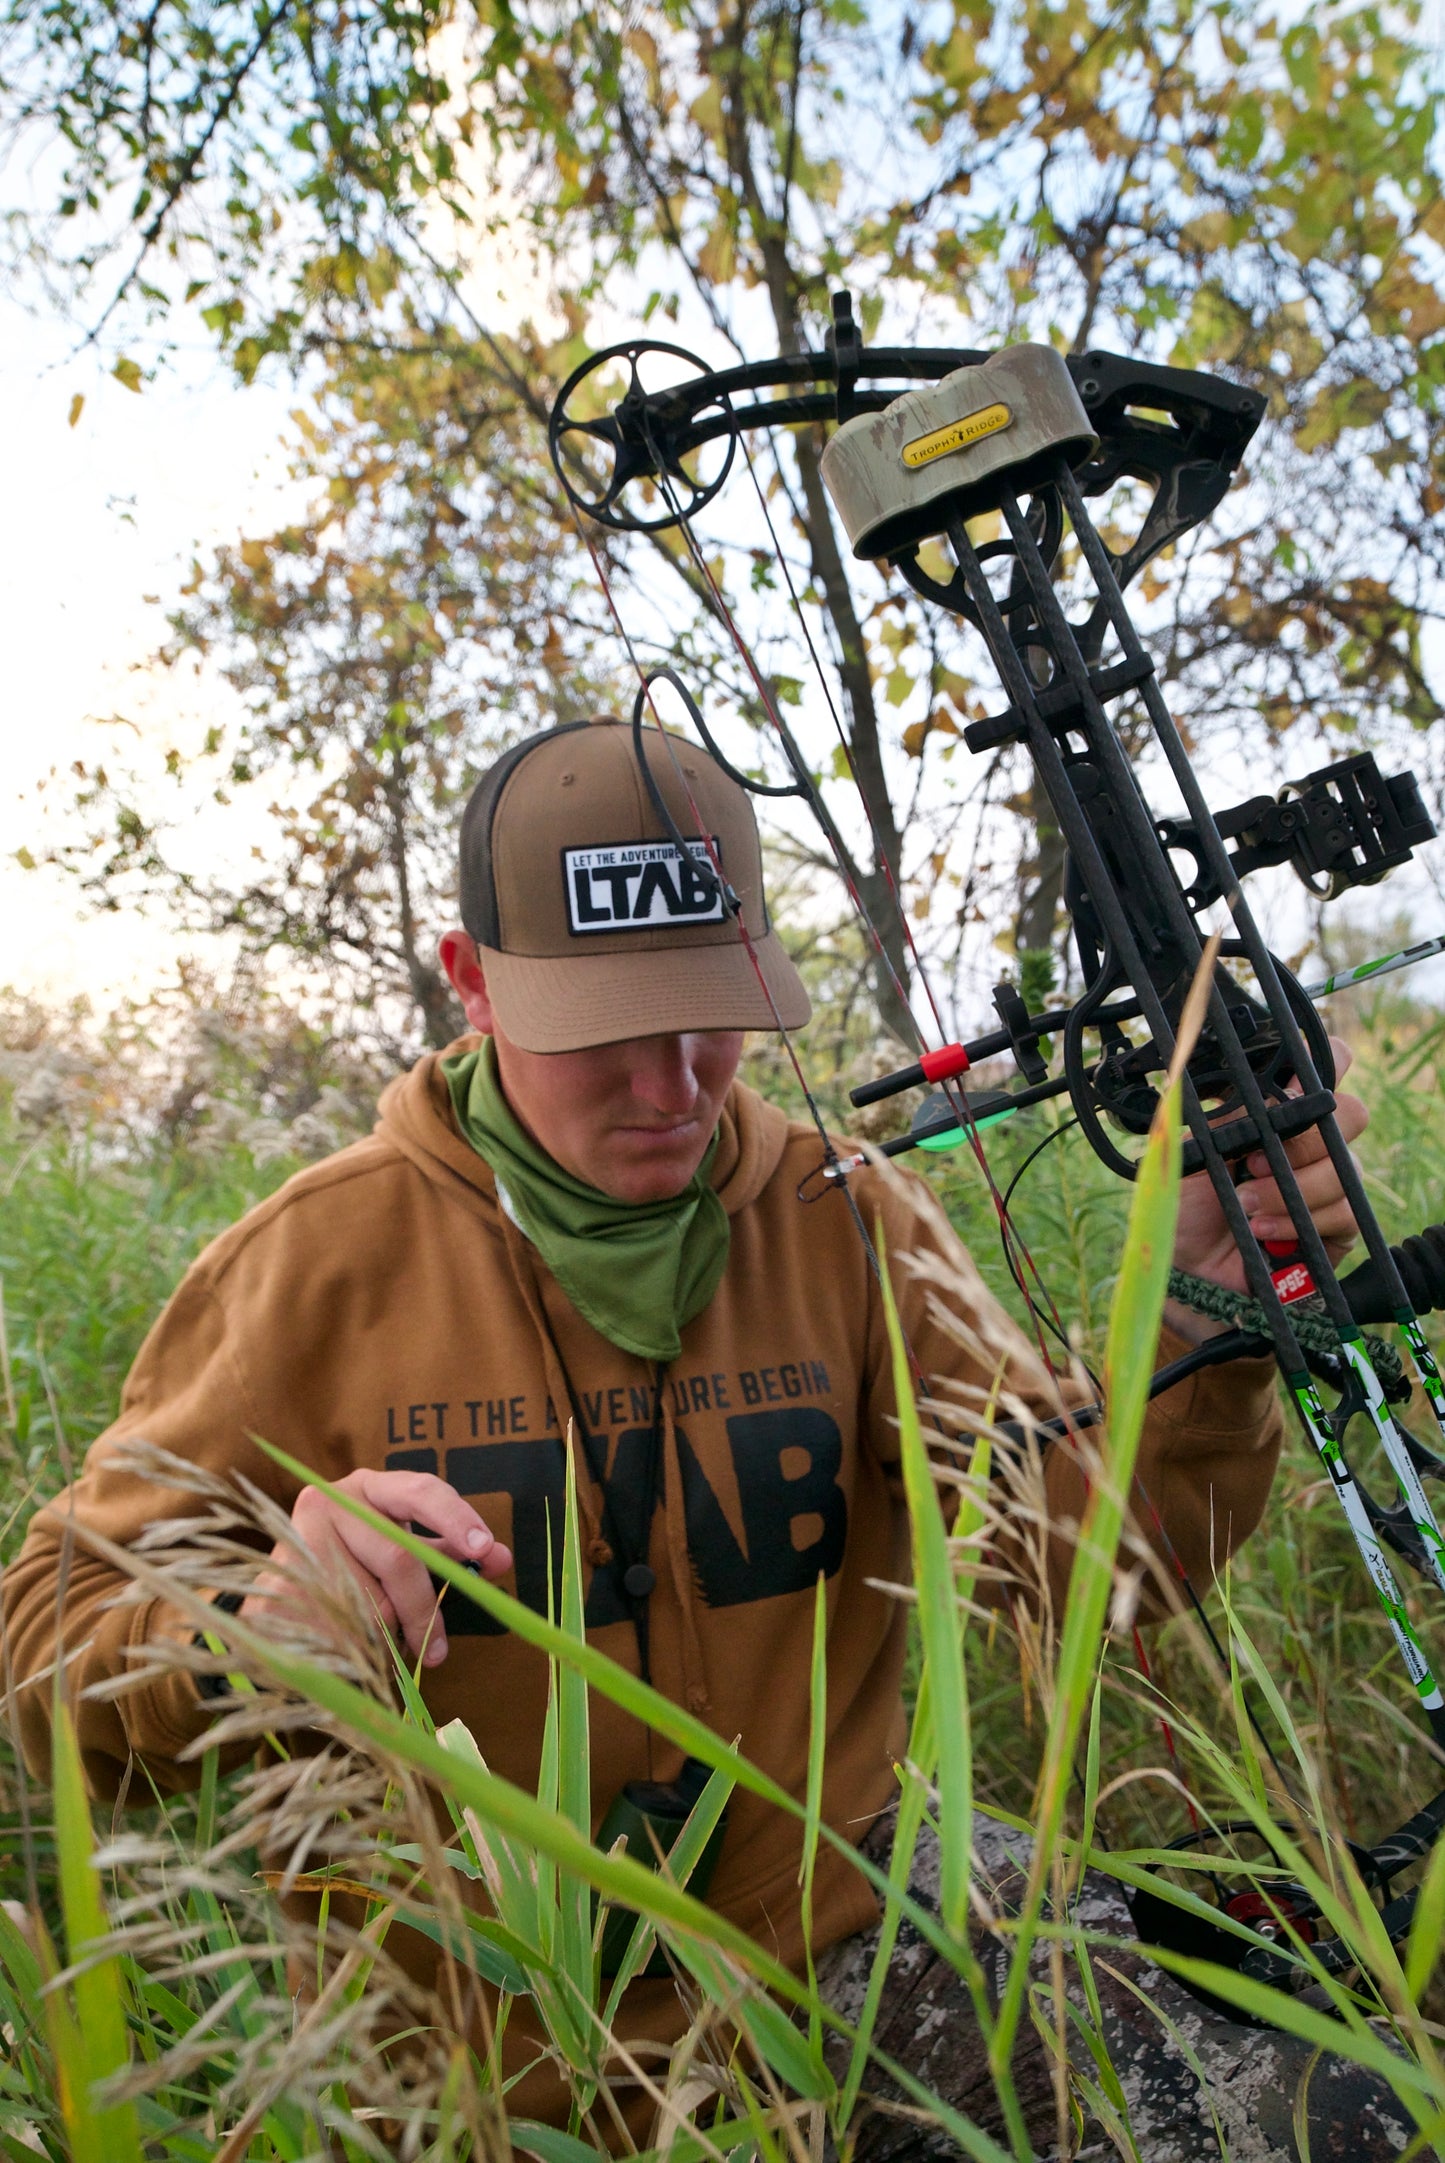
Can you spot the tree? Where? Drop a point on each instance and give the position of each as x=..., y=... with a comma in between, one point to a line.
x=1216, y=187
x=1220, y=187
x=386, y=647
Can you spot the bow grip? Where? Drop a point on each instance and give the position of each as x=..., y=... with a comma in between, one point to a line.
x=1421, y=1263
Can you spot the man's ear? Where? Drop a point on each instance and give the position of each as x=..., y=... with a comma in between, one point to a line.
x=462, y=962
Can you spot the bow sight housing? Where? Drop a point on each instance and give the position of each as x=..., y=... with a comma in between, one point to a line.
x=1028, y=437
x=894, y=476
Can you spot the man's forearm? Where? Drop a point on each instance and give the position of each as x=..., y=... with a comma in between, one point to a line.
x=1206, y=1462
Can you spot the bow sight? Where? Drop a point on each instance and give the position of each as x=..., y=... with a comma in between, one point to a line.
x=1019, y=442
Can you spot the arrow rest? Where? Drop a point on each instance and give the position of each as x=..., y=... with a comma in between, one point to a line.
x=1025, y=438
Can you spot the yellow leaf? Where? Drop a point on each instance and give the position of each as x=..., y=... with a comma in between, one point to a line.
x=917, y=733
x=707, y=111
x=77, y=407
x=128, y=372
x=644, y=45
x=1205, y=234
x=717, y=257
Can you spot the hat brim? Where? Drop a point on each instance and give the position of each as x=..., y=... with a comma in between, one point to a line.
x=570, y=1002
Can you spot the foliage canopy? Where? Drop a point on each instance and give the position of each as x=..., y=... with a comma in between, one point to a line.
x=334, y=188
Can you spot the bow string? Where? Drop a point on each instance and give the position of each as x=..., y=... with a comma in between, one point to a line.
x=1264, y=1071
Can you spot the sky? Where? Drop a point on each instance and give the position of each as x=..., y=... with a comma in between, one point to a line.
x=103, y=520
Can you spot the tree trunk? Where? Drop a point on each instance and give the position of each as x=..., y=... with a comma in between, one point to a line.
x=1034, y=928
x=441, y=1018
x=878, y=888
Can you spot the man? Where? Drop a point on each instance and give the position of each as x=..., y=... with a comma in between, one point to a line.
x=582, y=1215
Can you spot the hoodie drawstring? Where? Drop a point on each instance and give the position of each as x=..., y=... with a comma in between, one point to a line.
x=592, y=1492
x=684, y=1583
x=594, y=1542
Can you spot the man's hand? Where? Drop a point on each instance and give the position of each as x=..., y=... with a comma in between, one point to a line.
x=396, y=1584
x=1203, y=1243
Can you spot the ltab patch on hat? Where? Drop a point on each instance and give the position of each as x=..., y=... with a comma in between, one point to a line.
x=639, y=886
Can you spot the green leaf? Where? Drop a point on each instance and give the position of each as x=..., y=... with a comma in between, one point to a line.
x=1427, y=1926
x=940, y=1628
x=768, y=2028
x=574, y=1796
x=549, y=2143
x=500, y=1803
x=1134, y=1318
x=1279, y=2009
x=682, y=1859
x=91, y=2044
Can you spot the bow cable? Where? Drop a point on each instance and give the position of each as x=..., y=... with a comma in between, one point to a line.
x=646, y=678
x=1017, y=1253
x=1359, y=1386
x=1009, y=1232
x=1016, y=1250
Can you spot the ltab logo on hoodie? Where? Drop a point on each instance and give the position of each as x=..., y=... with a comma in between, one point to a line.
x=636, y=885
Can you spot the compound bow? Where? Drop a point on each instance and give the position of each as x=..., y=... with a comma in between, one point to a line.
x=1029, y=437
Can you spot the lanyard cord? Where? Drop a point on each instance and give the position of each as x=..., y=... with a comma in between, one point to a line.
x=635, y=1574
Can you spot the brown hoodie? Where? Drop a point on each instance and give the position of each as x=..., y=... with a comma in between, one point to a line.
x=381, y=1311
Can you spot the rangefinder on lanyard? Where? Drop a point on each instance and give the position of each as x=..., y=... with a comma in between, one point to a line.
x=649, y=1815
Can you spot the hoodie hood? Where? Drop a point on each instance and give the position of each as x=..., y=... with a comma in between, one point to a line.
x=415, y=1115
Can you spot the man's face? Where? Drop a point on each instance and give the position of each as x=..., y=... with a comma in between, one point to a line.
x=632, y=1119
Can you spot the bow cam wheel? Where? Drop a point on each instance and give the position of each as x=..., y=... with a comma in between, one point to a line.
x=638, y=444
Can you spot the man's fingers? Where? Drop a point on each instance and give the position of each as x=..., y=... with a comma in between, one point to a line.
x=1352, y=1115
x=276, y=1591
x=1317, y=1179
x=1307, y=1149
x=1320, y=1188
x=1336, y=1226
x=404, y=1582
x=398, y=1584
x=1318, y=1183
x=421, y=1498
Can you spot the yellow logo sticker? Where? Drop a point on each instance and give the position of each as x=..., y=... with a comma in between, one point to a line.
x=958, y=435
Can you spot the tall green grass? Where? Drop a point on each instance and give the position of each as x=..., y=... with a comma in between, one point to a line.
x=145, y=1997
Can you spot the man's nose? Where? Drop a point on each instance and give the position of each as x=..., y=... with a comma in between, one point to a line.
x=665, y=1077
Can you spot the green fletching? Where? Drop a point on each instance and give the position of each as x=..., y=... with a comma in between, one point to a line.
x=952, y=1137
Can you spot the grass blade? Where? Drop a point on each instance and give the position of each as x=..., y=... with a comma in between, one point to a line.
x=89, y=2037
x=1134, y=1319
x=939, y=1625
x=573, y=1951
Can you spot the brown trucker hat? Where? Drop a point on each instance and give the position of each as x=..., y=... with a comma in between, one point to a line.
x=592, y=927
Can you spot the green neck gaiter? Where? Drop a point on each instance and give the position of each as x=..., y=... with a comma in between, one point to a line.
x=637, y=1271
